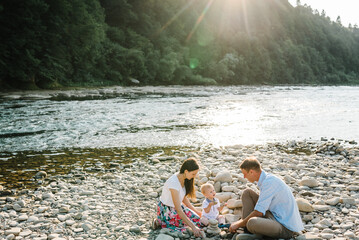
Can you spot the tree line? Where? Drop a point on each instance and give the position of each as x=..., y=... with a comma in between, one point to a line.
x=69, y=43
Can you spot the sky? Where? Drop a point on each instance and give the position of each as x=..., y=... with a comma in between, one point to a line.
x=346, y=9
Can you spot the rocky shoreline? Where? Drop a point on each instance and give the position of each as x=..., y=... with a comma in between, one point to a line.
x=120, y=203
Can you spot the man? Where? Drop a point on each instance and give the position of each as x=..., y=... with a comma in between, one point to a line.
x=274, y=212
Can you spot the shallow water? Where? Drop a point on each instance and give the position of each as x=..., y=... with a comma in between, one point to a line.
x=176, y=116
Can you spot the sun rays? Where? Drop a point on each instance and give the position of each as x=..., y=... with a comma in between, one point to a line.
x=199, y=20
x=174, y=17
x=228, y=8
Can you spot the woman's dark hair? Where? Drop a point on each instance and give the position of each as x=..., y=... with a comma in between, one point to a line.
x=190, y=165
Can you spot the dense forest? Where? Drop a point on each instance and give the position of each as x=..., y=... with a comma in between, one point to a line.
x=68, y=43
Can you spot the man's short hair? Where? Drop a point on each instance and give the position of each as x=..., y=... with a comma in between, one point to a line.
x=206, y=186
x=250, y=163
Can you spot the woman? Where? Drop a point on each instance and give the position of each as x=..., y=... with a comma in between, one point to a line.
x=170, y=211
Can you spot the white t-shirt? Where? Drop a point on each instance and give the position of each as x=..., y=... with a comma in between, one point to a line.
x=213, y=213
x=172, y=183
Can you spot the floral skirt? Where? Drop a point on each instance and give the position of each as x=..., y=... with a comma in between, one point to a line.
x=169, y=218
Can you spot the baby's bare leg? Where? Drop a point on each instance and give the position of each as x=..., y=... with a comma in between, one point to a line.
x=221, y=219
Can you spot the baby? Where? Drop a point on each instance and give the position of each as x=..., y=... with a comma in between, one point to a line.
x=210, y=206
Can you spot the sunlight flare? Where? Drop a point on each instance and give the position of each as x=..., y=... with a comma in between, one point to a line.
x=199, y=20
x=174, y=17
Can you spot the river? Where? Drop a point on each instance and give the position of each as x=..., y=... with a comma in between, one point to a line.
x=176, y=116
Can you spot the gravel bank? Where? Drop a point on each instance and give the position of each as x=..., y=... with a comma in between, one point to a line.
x=120, y=204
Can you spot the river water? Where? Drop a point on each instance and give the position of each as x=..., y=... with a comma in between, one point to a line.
x=176, y=116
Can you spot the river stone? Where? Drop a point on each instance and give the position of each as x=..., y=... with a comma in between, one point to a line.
x=42, y=209
x=86, y=227
x=62, y=218
x=353, y=188
x=10, y=237
x=47, y=195
x=162, y=236
x=135, y=229
x=350, y=201
x=307, y=218
x=32, y=219
x=233, y=203
x=223, y=176
x=349, y=234
x=64, y=209
x=41, y=174
x=327, y=235
x=52, y=236
x=321, y=207
x=203, y=181
x=224, y=196
x=21, y=203
x=23, y=217
x=16, y=207
x=217, y=186
x=331, y=174
x=304, y=205
x=230, y=218
x=15, y=231
x=25, y=233
x=228, y=189
x=345, y=210
x=70, y=222
x=13, y=224
x=289, y=179
x=153, y=194
x=87, y=193
x=325, y=222
x=309, y=182
x=333, y=201
x=308, y=236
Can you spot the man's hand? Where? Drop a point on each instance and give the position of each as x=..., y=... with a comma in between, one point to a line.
x=234, y=226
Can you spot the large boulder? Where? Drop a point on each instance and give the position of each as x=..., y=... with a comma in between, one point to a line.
x=224, y=196
x=223, y=176
x=233, y=203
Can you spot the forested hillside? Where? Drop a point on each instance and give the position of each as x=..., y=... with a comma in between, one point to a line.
x=64, y=43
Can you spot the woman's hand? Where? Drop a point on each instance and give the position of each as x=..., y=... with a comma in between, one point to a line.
x=196, y=231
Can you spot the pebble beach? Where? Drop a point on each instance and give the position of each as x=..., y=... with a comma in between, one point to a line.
x=120, y=203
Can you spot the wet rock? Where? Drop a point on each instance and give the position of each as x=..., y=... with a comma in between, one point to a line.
x=40, y=175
